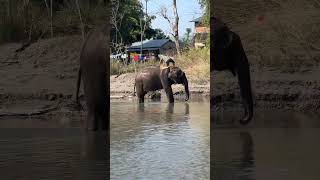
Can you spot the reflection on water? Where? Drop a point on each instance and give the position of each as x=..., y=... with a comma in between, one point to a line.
x=53, y=154
x=51, y=146
x=160, y=140
x=266, y=119
x=276, y=145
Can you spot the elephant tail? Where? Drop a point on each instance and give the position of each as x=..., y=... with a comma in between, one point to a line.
x=78, y=86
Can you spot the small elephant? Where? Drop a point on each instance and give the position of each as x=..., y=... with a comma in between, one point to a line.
x=158, y=77
x=228, y=54
x=94, y=69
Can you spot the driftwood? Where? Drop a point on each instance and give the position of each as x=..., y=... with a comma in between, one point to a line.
x=38, y=112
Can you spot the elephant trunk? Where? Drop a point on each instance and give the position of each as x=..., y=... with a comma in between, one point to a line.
x=186, y=86
x=243, y=72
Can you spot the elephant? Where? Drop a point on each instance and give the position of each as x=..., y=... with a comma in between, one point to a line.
x=228, y=53
x=160, y=77
x=94, y=69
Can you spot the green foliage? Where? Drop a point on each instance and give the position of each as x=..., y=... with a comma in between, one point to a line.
x=128, y=17
x=205, y=5
x=158, y=34
x=186, y=37
x=17, y=24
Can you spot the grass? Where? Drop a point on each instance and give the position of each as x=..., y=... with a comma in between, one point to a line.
x=118, y=68
x=196, y=64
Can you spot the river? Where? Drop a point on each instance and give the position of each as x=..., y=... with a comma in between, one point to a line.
x=277, y=145
x=158, y=140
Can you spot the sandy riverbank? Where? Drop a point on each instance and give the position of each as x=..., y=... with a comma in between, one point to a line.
x=43, y=77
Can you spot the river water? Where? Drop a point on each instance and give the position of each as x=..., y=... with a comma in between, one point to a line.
x=276, y=145
x=161, y=141
x=158, y=140
x=151, y=141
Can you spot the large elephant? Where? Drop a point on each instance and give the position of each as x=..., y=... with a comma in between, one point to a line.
x=159, y=77
x=228, y=54
x=94, y=69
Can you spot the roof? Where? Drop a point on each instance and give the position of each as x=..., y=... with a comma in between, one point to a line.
x=149, y=44
x=196, y=20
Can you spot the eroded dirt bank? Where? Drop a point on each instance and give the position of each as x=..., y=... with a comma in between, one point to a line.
x=272, y=89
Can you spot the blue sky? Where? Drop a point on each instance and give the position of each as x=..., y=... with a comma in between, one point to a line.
x=187, y=11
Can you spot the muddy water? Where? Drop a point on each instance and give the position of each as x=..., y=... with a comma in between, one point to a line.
x=276, y=145
x=160, y=141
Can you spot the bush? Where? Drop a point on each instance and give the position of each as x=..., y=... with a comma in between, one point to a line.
x=196, y=64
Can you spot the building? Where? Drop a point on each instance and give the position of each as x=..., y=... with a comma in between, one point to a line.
x=151, y=49
x=201, y=33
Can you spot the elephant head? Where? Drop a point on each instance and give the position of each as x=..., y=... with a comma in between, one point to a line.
x=177, y=76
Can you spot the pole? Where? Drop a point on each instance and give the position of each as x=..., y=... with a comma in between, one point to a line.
x=141, y=46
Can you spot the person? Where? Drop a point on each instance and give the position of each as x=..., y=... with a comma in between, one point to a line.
x=166, y=60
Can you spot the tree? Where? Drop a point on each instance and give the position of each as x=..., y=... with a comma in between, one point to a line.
x=205, y=4
x=186, y=38
x=34, y=19
x=174, y=23
x=126, y=27
x=157, y=34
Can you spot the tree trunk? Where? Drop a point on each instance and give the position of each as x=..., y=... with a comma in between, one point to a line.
x=175, y=27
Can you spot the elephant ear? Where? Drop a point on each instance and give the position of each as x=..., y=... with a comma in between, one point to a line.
x=181, y=73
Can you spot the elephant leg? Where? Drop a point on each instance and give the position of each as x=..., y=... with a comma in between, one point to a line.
x=92, y=122
x=141, y=99
x=78, y=86
x=103, y=121
x=169, y=94
x=97, y=120
x=140, y=93
x=242, y=70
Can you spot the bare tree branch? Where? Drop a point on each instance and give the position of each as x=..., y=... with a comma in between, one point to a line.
x=174, y=24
